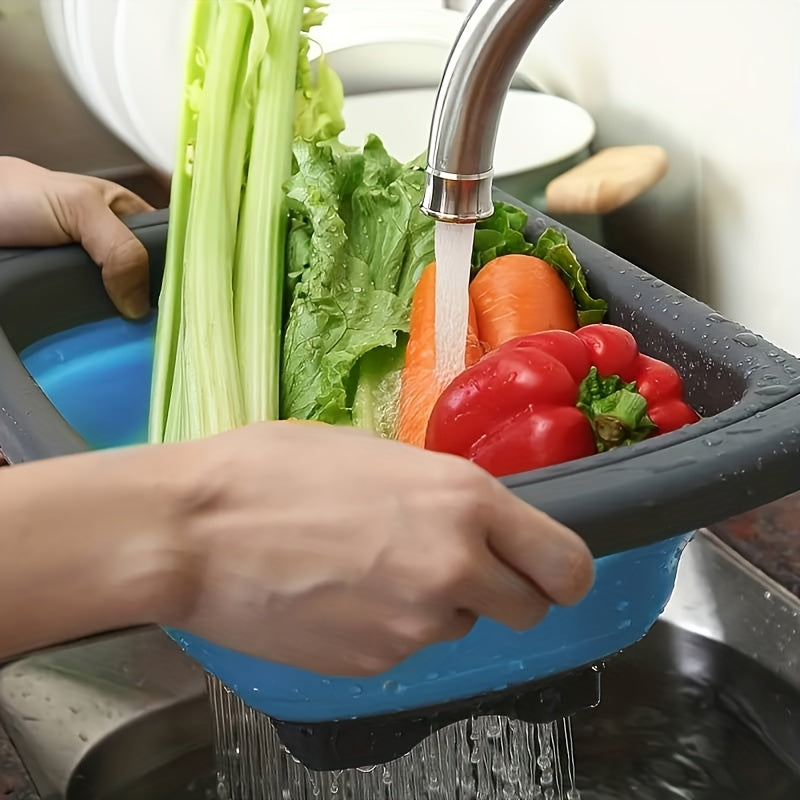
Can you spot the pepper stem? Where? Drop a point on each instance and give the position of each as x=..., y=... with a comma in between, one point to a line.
x=615, y=410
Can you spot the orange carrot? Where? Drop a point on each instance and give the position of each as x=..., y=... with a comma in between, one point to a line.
x=420, y=388
x=515, y=295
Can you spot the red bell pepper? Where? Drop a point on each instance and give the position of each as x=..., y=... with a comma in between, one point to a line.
x=550, y=397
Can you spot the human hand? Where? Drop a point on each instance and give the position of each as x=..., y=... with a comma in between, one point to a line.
x=333, y=550
x=40, y=208
x=321, y=547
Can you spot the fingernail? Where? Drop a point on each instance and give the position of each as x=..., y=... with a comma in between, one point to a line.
x=136, y=305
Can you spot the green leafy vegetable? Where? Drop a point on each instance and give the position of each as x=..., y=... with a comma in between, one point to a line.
x=553, y=247
x=356, y=246
x=248, y=85
x=501, y=234
x=375, y=404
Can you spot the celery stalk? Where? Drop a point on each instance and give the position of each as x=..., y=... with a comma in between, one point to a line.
x=212, y=395
x=169, y=306
x=250, y=89
x=199, y=393
x=258, y=276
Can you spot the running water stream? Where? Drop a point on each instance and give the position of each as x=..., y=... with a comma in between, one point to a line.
x=487, y=758
x=453, y=249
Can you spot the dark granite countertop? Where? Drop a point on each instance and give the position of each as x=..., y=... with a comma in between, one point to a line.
x=768, y=537
x=14, y=781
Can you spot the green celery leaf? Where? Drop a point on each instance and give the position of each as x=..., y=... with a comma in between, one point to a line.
x=319, y=98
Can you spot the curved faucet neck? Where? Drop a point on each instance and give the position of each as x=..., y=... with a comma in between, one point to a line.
x=478, y=74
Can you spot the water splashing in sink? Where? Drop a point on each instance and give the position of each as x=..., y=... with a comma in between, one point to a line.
x=485, y=758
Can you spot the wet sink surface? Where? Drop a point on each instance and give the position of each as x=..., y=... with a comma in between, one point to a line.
x=188, y=776
x=706, y=707
x=683, y=718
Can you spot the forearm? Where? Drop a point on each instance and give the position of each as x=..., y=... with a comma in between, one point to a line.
x=87, y=544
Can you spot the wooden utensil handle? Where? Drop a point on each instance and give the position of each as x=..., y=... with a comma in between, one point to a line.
x=607, y=180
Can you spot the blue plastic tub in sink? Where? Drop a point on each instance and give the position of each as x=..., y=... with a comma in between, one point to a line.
x=98, y=377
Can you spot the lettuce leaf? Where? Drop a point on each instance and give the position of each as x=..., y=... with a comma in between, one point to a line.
x=375, y=404
x=554, y=248
x=356, y=245
x=500, y=235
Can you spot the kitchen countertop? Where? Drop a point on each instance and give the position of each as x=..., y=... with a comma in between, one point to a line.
x=14, y=781
x=769, y=537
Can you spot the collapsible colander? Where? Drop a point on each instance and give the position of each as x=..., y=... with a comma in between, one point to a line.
x=63, y=347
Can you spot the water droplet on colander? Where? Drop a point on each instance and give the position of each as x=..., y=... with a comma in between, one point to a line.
x=771, y=391
x=395, y=687
x=746, y=339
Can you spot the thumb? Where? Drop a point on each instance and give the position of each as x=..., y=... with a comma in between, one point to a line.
x=122, y=258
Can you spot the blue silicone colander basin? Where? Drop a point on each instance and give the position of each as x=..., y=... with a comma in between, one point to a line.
x=98, y=377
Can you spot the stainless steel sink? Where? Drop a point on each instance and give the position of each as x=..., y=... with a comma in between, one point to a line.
x=92, y=718
x=707, y=704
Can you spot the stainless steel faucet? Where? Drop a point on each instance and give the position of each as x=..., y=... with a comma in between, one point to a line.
x=476, y=79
